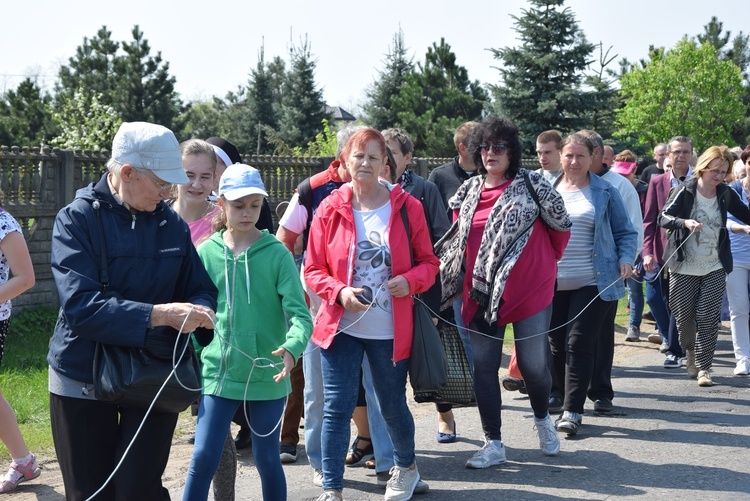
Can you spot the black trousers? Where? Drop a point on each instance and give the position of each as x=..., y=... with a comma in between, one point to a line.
x=90, y=438
x=574, y=346
x=601, y=379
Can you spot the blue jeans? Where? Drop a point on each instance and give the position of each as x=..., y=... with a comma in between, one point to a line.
x=532, y=353
x=341, y=363
x=214, y=415
x=381, y=442
x=313, y=404
x=635, y=289
x=655, y=300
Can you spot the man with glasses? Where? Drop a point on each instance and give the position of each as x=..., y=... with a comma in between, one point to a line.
x=157, y=287
x=660, y=154
x=654, y=242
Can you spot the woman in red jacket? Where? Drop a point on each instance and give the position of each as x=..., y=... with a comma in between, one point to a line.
x=358, y=262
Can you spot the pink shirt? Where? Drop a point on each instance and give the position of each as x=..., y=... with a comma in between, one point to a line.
x=201, y=229
x=531, y=283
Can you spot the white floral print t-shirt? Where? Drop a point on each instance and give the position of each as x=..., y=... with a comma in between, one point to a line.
x=372, y=269
x=7, y=224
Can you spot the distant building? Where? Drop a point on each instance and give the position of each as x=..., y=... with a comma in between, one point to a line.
x=339, y=115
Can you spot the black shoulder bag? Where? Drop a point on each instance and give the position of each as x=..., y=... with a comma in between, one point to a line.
x=428, y=367
x=131, y=377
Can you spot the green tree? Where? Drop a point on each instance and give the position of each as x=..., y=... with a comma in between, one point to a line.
x=145, y=88
x=25, y=116
x=739, y=53
x=91, y=69
x=379, y=106
x=302, y=105
x=541, y=78
x=687, y=91
x=136, y=84
x=85, y=122
x=435, y=99
x=262, y=104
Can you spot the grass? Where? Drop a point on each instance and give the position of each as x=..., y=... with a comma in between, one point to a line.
x=23, y=375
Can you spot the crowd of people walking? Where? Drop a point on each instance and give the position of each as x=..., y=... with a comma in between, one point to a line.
x=176, y=239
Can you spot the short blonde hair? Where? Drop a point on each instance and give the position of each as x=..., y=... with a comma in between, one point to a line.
x=720, y=152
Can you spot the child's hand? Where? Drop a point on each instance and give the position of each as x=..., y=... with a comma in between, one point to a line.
x=288, y=363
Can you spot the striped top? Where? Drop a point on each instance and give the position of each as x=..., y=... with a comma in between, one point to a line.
x=576, y=268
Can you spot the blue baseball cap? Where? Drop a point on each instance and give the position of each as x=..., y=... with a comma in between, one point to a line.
x=240, y=180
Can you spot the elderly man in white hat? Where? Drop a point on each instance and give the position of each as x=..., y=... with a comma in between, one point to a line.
x=155, y=287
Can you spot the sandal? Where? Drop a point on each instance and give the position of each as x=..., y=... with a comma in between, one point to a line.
x=357, y=454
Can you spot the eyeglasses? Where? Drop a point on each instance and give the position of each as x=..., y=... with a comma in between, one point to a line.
x=161, y=187
x=680, y=152
x=497, y=149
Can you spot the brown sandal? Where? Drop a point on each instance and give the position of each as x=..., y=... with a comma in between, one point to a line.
x=357, y=454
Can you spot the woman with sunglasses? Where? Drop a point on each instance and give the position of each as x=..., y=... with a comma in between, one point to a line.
x=511, y=228
x=590, y=274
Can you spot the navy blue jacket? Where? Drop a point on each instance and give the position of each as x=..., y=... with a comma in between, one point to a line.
x=150, y=260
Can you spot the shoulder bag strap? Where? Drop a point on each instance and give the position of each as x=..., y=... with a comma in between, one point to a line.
x=103, y=274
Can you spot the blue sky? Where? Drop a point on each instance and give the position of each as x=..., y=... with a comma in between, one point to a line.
x=211, y=47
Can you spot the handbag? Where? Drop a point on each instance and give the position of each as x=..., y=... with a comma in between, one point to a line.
x=459, y=387
x=428, y=367
x=131, y=377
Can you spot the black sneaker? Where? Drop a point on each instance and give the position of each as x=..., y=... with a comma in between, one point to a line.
x=288, y=453
x=603, y=405
x=511, y=383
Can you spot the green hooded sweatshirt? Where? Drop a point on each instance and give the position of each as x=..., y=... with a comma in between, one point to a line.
x=263, y=287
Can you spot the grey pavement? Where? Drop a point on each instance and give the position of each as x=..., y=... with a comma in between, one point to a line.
x=667, y=438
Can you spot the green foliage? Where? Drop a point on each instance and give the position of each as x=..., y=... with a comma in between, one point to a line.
x=24, y=116
x=604, y=98
x=687, y=91
x=134, y=83
x=542, y=76
x=85, y=123
x=435, y=98
x=23, y=375
x=302, y=105
x=379, y=108
x=325, y=143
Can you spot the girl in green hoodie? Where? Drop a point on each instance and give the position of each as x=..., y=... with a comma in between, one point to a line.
x=254, y=348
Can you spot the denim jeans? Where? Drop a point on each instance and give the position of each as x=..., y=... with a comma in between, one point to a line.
x=655, y=300
x=341, y=362
x=313, y=404
x=635, y=290
x=214, y=415
x=532, y=353
x=381, y=442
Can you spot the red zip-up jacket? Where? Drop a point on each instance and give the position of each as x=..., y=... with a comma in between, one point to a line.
x=330, y=256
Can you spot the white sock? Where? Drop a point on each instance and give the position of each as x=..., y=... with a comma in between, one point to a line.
x=24, y=460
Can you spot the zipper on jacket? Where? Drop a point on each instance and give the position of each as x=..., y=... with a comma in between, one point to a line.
x=132, y=224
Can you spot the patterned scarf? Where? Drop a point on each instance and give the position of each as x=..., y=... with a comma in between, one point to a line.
x=508, y=228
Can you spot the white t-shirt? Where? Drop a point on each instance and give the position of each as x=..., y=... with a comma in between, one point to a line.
x=372, y=269
x=7, y=225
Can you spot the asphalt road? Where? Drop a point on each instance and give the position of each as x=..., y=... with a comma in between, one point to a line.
x=667, y=438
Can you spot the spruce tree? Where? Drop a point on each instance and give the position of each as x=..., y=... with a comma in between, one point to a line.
x=436, y=98
x=302, y=105
x=541, y=79
x=379, y=107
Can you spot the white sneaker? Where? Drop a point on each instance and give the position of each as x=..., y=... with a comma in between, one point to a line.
x=402, y=483
x=318, y=478
x=549, y=442
x=489, y=455
x=743, y=367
